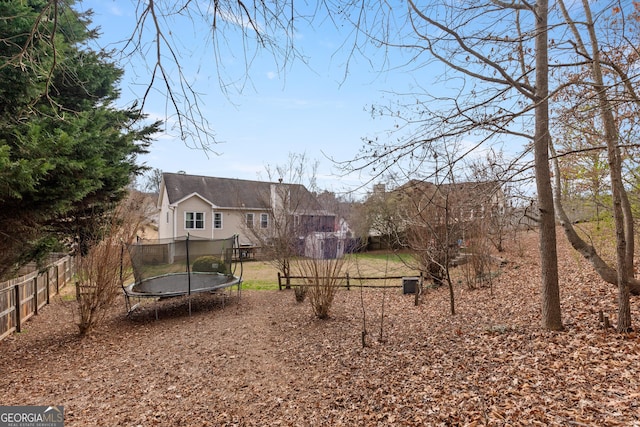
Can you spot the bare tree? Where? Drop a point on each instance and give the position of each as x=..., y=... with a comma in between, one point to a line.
x=153, y=180
x=488, y=53
x=432, y=235
x=439, y=217
x=503, y=180
x=379, y=218
x=99, y=271
x=582, y=161
x=293, y=213
x=511, y=60
x=605, y=83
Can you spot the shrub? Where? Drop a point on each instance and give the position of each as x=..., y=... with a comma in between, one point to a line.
x=208, y=264
x=300, y=292
x=323, y=281
x=98, y=278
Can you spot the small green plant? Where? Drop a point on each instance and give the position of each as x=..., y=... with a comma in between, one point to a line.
x=208, y=264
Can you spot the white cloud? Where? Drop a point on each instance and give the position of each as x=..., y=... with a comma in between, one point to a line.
x=115, y=10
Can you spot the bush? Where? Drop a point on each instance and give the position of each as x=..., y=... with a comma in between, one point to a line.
x=208, y=264
x=300, y=293
x=98, y=281
x=323, y=281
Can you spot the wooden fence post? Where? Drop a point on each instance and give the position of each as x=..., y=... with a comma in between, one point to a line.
x=18, y=306
x=348, y=284
x=48, y=284
x=279, y=282
x=57, y=270
x=64, y=273
x=61, y=270
x=35, y=295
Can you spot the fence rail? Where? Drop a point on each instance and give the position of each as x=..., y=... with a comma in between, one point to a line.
x=347, y=281
x=22, y=297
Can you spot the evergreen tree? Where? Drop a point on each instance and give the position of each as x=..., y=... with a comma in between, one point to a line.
x=66, y=152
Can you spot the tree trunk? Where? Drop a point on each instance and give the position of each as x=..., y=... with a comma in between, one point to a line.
x=286, y=269
x=629, y=232
x=606, y=272
x=551, y=313
x=447, y=246
x=617, y=188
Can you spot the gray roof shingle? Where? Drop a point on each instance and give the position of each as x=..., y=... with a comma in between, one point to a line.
x=232, y=193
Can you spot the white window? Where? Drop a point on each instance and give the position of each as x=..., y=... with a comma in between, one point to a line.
x=249, y=220
x=217, y=220
x=194, y=220
x=264, y=220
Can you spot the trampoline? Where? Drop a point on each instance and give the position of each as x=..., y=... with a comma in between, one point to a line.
x=178, y=284
x=181, y=267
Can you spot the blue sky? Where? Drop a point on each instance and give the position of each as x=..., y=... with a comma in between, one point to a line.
x=307, y=108
x=319, y=108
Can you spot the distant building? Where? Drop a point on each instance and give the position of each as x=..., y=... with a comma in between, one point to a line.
x=213, y=207
x=391, y=212
x=468, y=200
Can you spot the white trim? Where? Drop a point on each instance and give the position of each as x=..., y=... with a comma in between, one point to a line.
x=173, y=220
x=177, y=202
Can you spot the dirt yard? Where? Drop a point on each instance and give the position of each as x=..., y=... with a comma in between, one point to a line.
x=263, y=360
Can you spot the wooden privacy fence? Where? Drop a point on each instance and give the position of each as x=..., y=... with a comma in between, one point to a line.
x=22, y=297
x=354, y=281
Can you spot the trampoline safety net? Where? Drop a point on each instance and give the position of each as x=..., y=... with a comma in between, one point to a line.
x=154, y=258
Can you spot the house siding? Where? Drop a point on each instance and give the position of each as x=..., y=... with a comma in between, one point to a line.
x=165, y=219
x=246, y=238
x=235, y=224
x=232, y=198
x=194, y=204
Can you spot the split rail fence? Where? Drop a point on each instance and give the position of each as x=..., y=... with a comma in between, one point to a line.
x=408, y=283
x=22, y=297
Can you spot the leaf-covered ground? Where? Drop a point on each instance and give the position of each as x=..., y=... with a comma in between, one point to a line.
x=263, y=360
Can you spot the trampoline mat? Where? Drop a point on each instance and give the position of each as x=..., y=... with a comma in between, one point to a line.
x=178, y=284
